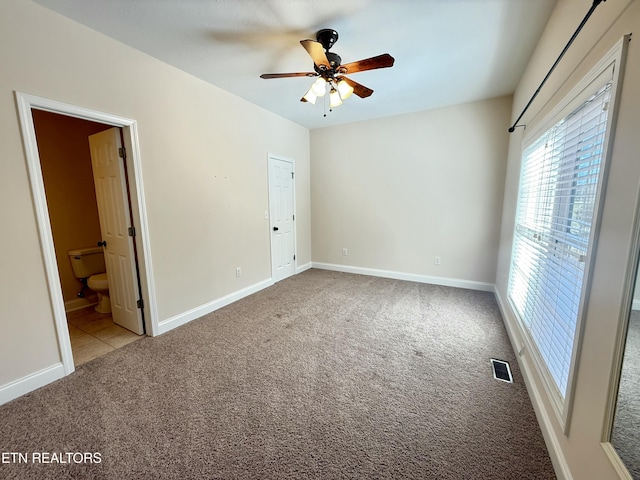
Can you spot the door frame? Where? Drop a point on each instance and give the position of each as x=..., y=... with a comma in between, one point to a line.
x=25, y=103
x=270, y=158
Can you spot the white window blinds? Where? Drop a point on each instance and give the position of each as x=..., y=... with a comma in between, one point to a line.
x=559, y=181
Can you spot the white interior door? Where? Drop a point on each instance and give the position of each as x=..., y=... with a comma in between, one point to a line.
x=115, y=220
x=282, y=214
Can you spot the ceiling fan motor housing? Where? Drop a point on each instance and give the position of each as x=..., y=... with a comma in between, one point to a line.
x=334, y=61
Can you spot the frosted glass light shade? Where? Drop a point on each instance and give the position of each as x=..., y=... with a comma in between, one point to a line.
x=310, y=96
x=334, y=98
x=319, y=87
x=345, y=89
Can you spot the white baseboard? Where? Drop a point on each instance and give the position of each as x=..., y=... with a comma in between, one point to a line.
x=559, y=461
x=302, y=268
x=635, y=304
x=31, y=382
x=178, y=320
x=411, y=277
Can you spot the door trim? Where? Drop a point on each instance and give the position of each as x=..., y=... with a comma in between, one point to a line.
x=26, y=102
x=271, y=157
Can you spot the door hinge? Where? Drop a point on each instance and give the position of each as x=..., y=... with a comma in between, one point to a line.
x=132, y=232
x=294, y=257
x=293, y=217
x=292, y=174
x=122, y=153
x=140, y=303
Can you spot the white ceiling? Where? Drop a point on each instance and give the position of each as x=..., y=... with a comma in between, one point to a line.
x=446, y=51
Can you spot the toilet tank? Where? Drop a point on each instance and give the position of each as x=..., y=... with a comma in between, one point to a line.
x=87, y=261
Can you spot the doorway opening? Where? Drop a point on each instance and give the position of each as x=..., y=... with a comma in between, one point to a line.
x=54, y=245
x=76, y=217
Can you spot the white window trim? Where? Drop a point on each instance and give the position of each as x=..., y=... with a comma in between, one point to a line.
x=614, y=60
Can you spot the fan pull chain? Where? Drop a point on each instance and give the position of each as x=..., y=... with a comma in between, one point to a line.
x=324, y=106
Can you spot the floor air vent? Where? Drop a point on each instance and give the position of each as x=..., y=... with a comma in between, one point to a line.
x=501, y=370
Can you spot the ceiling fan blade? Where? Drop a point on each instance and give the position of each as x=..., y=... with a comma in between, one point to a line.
x=316, y=51
x=381, y=61
x=358, y=89
x=286, y=75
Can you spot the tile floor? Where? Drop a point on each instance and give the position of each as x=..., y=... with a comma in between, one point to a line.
x=94, y=334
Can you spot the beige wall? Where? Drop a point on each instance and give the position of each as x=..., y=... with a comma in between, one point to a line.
x=65, y=160
x=399, y=191
x=204, y=166
x=579, y=454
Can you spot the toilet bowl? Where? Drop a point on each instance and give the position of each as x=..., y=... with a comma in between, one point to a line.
x=89, y=267
x=99, y=283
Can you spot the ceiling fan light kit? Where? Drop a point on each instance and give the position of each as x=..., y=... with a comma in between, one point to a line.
x=330, y=71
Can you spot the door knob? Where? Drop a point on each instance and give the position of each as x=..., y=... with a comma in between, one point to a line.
x=103, y=243
x=275, y=229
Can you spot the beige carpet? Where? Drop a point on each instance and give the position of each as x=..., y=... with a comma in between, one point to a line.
x=324, y=376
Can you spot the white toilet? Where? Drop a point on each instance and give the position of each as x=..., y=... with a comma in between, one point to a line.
x=89, y=267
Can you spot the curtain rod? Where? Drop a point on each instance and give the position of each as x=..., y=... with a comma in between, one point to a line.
x=573, y=37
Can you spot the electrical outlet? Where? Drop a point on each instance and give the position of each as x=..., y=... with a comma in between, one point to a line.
x=238, y=271
x=436, y=260
x=345, y=252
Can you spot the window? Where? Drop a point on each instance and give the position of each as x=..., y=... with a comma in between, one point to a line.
x=562, y=181
x=561, y=173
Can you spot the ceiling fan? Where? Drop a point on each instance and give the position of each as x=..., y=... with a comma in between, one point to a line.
x=331, y=73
